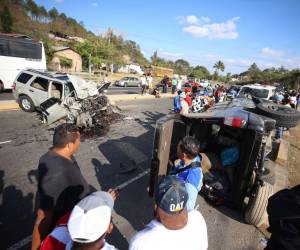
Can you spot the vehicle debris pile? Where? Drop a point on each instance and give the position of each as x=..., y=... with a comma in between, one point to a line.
x=93, y=115
x=96, y=117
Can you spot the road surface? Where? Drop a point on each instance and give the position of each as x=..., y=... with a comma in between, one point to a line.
x=7, y=95
x=23, y=140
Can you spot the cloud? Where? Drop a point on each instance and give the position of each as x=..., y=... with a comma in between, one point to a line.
x=95, y=4
x=192, y=20
x=218, y=31
x=271, y=52
x=205, y=19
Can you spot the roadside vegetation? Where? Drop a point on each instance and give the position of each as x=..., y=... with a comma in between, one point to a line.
x=27, y=17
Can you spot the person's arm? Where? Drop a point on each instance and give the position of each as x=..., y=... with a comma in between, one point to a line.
x=42, y=227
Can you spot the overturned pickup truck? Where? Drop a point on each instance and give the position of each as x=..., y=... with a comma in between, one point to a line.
x=235, y=146
x=59, y=96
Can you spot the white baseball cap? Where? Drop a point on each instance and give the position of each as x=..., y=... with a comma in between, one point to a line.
x=91, y=217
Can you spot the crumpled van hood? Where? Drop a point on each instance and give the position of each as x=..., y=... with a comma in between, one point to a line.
x=83, y=88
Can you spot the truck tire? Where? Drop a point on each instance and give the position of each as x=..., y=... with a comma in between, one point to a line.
x=26, y=103
x=257, y=205
x=269, y=174
x=284, y=116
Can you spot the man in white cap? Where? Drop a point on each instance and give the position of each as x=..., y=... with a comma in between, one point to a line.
x=86, y=227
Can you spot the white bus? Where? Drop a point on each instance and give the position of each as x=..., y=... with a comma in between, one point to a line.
x=16, y=54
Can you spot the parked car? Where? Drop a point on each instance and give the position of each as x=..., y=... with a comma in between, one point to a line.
x=243, y=124
x=257, y=90
x=191, y=84
x=57, y=96
x=128, y=82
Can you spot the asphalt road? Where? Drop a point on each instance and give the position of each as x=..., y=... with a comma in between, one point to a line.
x=7, y=95
x=23, y=140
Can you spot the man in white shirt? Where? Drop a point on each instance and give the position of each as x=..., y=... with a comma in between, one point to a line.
x=144, y=84
x=173, y=228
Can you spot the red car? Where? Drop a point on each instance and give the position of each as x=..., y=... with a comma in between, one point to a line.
x=191, y=84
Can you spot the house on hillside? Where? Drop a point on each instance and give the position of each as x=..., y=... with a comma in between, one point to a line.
x=65, y=59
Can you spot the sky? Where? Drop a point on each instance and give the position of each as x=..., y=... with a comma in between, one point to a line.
x=237, y=32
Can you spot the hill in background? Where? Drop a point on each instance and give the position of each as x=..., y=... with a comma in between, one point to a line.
x=35, y=21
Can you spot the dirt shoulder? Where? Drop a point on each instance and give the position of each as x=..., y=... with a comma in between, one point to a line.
x=293, y=157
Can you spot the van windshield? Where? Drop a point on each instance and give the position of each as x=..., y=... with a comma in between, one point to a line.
x=260, y=93
x=69, y=88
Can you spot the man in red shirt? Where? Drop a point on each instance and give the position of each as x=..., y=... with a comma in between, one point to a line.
x=86, y=226
x=188, y=98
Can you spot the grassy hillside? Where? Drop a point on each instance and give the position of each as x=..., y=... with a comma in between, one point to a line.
x=35, y=21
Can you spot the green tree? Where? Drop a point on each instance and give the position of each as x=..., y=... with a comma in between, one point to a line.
x=200, y=72
x=6, y=20
x=219, y=66
x=43, y=14
x=228, y=77
x=33, y=8
x=182, y=67
x=254, y=73
x=48, y=50
x=63, y=16
x=53, y=13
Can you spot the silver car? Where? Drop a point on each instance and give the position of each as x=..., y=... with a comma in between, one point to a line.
x=58, y=95
x=33, y=87
x=128, y=82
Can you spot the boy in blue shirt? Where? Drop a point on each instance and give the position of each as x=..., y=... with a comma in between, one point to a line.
x=176, y=103
x=188, y=168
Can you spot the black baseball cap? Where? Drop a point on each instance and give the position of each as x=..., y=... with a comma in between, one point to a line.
x=171, y=195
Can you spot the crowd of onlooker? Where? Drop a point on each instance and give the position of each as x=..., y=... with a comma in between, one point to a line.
x=198, y=99
x=72, y=215
x=288, y=98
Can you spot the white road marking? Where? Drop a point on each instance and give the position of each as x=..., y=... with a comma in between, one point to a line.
x=4, y=142
x=21, y=243
x=126, y=183
x=28, y=239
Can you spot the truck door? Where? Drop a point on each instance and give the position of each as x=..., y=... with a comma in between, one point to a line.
x=169, y=130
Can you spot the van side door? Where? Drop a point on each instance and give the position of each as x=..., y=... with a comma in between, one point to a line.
x=39, y=90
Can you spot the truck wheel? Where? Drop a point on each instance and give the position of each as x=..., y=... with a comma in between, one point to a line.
x=26, y=103
x=269, y=174
x=284, y=116
x=257, y=205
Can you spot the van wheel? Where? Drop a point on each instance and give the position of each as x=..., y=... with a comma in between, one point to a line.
x=26, y=103
x=257, y=205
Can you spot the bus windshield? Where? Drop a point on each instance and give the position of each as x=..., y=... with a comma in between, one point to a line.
x=20, y=48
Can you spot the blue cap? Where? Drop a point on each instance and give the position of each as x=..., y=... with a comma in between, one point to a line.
x=171, y=195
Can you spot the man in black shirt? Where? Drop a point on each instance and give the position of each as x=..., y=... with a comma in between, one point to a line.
x=60, y=184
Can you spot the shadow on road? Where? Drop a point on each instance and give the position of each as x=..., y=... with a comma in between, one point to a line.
x=128, y=157
x=16, y=211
